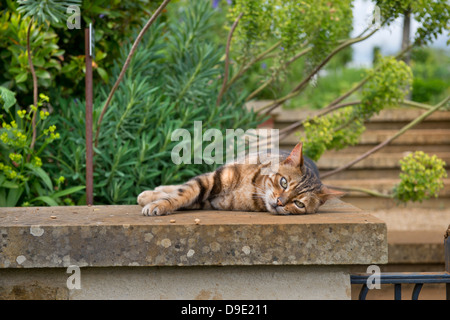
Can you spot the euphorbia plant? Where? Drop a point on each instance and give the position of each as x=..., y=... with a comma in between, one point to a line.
x=22, y=180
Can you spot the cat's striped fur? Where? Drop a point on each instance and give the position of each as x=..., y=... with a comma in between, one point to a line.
x=294, y=189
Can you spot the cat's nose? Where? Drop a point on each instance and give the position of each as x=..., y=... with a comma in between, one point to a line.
x=279, y=202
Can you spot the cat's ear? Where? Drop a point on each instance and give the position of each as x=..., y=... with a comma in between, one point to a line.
x=296, y=157
x=328, y=193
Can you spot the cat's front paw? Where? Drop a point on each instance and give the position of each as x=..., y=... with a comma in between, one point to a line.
x=156, y=208
x=149, y=196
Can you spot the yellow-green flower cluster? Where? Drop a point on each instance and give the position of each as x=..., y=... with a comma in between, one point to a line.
x=15, y=157
x=43, y=97
x=10, y=173
x=44, y=114
x=421, y=177
x=334, y=131
x=51, y=131
x=22, y=113
x=13, y=136
x=36, y=161
x=9, y=126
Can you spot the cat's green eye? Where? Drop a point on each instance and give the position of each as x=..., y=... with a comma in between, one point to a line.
x=299, y=204
x=283, y=183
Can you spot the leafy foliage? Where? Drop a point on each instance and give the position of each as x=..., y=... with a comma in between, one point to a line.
x=388, y=85
x=47, y=11
x=172, y=81
x=335, y=131
x=58, y=53
x=47, y=55
x=291, y=24
x=432, y=16
x=421, y=177
x=431, y=82
x=22, y=179
x=389, y=82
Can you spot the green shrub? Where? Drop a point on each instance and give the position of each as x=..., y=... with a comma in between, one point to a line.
x=421, y=177
x=172, y=81
x=23, y=182
x=14, y=69
x=431, y=81
x=58, y=52
x=424, y=90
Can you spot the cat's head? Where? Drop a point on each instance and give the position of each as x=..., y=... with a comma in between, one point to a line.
x=295, y=188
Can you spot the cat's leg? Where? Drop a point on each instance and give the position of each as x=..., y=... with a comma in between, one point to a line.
x=160, y=192
x=167, y=189
x=148, y=196
x=192, y=194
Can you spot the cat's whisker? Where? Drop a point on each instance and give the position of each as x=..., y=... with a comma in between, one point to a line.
x=259, y=193
x=260, y=190
x=259, y=198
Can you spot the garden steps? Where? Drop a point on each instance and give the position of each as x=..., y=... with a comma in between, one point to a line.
x=387, y=115
x=377, y=160
x=413, y=137
x=404, y=149
x=382, y=185
x=415, y=244
x=415, y=235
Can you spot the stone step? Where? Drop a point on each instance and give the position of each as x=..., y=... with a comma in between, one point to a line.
x=360, y=149
x=376, y=203
x=375, y=161
x=387, y=115
x=400, y=124
x=374, y=137
x=415, y=235
x=385, y=125
x=382, y=185
x=411, y=137
x=363, y=174
x=408, y=114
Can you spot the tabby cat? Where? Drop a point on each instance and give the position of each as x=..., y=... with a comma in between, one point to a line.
x=294, y=189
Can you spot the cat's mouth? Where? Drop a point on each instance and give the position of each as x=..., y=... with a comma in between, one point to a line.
x=274, y=208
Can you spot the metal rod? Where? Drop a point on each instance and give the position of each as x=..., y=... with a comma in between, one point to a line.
x=398, y=291
x=447, y=260
x=416, y=291
x=363, y=292
x=89, y=95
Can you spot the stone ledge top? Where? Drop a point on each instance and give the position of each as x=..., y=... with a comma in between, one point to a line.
x=339, y=234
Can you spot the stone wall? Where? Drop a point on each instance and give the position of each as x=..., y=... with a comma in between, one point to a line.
x=188, y=255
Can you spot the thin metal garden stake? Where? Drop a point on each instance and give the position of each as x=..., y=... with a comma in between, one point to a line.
x=89, y=147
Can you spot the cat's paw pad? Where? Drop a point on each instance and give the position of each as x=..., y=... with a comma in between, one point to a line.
x=154, y=209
